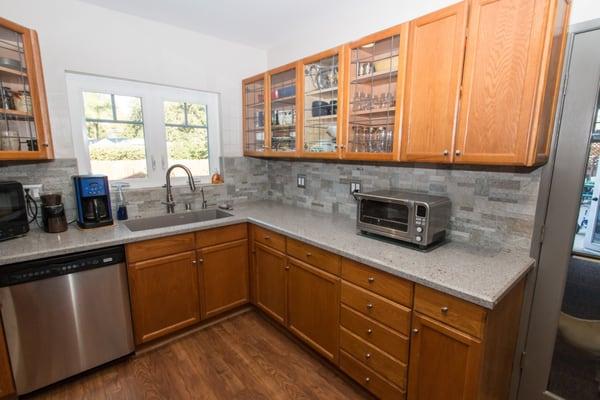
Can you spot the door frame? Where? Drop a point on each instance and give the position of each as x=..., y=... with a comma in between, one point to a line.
x=555, y=225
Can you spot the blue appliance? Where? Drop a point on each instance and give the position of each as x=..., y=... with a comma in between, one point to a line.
x=92, y=196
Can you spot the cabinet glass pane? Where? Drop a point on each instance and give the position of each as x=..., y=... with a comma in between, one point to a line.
x=283, y=111
x=373, y=76
x=254, y=125
x=17, y=127
x=320, y=105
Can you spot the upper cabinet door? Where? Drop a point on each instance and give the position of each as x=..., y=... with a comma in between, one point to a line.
x=24, y=122
x=502, y=66
x=321, y=100
x=254, y=111
x=283, y=138
x=375, y=70
x=435, y=60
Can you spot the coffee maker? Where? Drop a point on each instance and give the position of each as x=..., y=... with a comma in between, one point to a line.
x=92, y=196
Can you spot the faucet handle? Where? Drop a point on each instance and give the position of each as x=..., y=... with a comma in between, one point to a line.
x=188, y=206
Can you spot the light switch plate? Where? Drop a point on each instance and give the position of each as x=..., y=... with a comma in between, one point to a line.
x=354, y=187
x=301, y=181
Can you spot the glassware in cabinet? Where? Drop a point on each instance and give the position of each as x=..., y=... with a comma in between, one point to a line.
x=24, y=123
x=375, y=78
x=321, y=104
x=254, y=115
x=283, y=108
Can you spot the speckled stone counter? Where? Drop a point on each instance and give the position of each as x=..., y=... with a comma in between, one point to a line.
x=478, y=275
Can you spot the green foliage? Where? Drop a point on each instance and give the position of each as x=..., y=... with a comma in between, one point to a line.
x=187, y=143
x=115, y=154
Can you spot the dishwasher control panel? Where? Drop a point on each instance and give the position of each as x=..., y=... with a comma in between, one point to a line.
x=50, y=267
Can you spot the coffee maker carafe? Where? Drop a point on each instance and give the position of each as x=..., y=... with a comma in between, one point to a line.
x=92, y=196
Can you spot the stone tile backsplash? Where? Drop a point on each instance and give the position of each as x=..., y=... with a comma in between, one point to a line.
x=490, y=206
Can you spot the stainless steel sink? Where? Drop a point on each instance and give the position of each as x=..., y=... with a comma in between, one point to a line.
x=163, y=221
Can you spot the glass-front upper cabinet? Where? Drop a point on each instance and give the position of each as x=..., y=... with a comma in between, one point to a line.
x=24, y=122
x=322, y=94
x=283, y=107
x=254, y=111
x=375, y=68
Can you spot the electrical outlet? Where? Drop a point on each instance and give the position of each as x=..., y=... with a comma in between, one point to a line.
x=301, y=181
x=34, y=190
x=354, y=187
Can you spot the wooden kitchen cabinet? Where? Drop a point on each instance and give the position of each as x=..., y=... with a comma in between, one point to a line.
x=270, y=282
x=164, y=295
x=223, y=273
x=444, y=362
x=7, y=385
x=285, y=109
x=313, y=307
x=435, y=58
x=255, y=111
x=24, y=119
x=512, y=69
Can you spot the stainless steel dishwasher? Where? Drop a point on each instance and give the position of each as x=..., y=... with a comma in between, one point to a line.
x=65, y=315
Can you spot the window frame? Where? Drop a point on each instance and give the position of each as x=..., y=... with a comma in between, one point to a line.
x=152, y=97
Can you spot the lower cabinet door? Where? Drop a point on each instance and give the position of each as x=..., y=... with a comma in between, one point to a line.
x=164, y=295
x=223, y=277
x=270, y=282
x=313, y=306
x=444, y=362
x=7, y=386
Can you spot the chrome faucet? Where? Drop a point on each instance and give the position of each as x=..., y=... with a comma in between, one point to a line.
x=204, y=202
x=170, y=203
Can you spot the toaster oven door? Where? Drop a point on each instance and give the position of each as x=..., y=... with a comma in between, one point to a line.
x=392, y=219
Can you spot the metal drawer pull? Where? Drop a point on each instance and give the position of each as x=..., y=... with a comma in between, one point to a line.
x=371, y=279
x=415, y=330
x=368, y=355
x=367, y=379
x=444, y=310
x=369, y=331
x=370, y=306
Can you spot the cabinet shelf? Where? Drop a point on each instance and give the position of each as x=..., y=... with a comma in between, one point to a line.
x=15, y=113
x=377, y=77
x=374, y=111
x=13, y=71
x=322, y=91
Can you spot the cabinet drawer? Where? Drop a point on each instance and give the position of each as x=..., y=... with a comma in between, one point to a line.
x=211, y=237
x=315, y=256
x=159, y=247
x=372, y=381
x=374, y=358
x=374, y=333
x=455, y=312
x=269, y=238
x=394, y=288
x=379, y=308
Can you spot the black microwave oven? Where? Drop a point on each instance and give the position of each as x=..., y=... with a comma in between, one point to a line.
x=13, y=214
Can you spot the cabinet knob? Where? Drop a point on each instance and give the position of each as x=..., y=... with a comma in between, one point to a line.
x=308, y=254
x=371, y=279
x=457, y=152
x=267, y=237
x=415, y=331
x=369, y=331
x=367, y=379
x=287, y=267
x=370, y=306
x=446, y=152
x=368, y=355
x=201, y=260
x=193, y=261
x=444, y=310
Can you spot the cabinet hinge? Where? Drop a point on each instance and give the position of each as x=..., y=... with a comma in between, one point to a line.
x=522, y=360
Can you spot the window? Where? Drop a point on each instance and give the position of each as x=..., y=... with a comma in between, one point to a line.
x=134, y=131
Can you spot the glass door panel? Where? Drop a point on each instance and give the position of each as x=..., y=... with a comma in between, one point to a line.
x=373, y=76
x=254, y=116
x=17, y=125
x=283, y=111
x=321, y=99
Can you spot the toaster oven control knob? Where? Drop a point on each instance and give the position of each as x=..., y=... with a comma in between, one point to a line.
x=419, y=229
x=418, y=238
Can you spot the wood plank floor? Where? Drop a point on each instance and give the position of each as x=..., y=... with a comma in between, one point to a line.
x=244, y=357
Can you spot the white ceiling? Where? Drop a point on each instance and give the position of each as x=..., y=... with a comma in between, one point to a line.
x=258, y=23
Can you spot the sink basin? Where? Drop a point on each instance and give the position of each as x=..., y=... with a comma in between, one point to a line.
x=163, y=221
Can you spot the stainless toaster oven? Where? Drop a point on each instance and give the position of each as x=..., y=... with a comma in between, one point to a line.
x=417, y=218
x=13, y=215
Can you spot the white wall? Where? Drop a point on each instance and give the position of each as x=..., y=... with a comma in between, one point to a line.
x=584, y=10
x=76, y=36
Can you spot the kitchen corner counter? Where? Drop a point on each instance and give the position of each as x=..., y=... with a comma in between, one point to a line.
x=479, y=275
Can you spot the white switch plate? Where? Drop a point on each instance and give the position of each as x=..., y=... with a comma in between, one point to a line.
x=301, y=181
x=34, y=190
x=354, y=187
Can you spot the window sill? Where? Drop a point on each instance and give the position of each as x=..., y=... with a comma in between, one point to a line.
x=200, y=182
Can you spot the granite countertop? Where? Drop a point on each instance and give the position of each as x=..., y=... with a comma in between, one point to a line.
x=479, y=275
